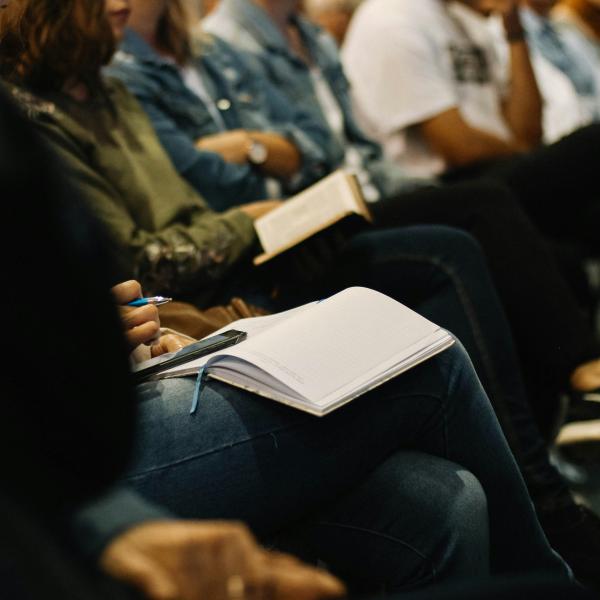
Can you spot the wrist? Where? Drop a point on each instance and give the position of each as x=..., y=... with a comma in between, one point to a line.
x=256, y=152
x=513, y=27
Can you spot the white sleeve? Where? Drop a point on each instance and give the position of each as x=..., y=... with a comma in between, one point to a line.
x=397, y=74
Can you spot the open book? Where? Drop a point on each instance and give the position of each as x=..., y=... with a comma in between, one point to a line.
x=324, y=354
x=320, y=206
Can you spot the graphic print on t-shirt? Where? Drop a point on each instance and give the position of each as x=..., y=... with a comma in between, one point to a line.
x=470, y=64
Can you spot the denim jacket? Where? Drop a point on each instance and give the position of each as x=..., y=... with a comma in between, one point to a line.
x=244, y=101
x=249, y=27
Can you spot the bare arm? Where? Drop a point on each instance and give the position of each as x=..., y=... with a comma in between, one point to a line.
x=450, y=136
x=523, y=106
x=283, y=159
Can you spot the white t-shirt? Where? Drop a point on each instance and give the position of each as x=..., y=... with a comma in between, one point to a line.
x=410, y=60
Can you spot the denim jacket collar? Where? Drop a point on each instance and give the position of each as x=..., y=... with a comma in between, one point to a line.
x=254, y=18
x=135, y=45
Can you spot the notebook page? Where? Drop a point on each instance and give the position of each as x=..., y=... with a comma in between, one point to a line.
x=419, y=352
x=339, y=342
x=253, y=326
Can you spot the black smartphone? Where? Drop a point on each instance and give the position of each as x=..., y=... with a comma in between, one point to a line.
x=187, y=354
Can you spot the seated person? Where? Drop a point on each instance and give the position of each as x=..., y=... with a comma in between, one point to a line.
x=565, y=75
x=63, y=448
x=464, y=119
x=169, y=236
x=229, y=133
x=67, y=460
x=581, y=19
x=225, y=109
x=565, y=52
x=289, y=50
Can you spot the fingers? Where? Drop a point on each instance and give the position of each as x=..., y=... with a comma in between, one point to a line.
x=127, y=291
x=289, y=578
x=142, y=325
x=169, y=343
x=212, y=560
x=142, y=573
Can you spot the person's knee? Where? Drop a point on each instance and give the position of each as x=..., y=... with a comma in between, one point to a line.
x=446, y=534
x=460, y=247
x=462, y=546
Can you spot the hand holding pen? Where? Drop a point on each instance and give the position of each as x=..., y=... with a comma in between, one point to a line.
x=141, y=322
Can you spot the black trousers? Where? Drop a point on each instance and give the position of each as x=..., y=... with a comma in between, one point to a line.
x=551, y=332
x=557, y=185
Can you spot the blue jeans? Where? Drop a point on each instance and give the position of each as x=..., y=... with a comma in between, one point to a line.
x=441, y=273
x=393, y=490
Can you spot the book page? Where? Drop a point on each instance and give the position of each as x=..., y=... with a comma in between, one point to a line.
x=306, y=213
x=338, y=344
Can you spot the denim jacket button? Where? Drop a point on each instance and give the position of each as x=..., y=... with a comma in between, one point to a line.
x=224, y=104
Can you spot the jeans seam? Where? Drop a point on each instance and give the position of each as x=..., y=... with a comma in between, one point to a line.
x=465, y=301
x=193, y=457
x=478, y=337
x=386, y=536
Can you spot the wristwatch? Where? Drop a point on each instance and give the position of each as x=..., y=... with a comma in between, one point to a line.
x=257, y=153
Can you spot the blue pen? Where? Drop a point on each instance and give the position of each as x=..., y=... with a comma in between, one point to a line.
x=156, y=300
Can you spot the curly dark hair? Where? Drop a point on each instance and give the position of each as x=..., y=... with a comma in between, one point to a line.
x=45, y=44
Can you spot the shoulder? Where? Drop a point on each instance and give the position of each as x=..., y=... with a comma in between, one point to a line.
x=323, y=41
x=233, y=32
x=405, y=14
x=131, y=71
x=34, y=107
x=46, y=115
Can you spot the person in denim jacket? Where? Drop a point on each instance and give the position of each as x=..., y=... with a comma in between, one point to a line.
x=247, y=26
x=238, y=107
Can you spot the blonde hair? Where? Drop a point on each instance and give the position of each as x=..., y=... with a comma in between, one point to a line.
x=173, y=33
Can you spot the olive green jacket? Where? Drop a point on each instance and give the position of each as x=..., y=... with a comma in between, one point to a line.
x=173, y=242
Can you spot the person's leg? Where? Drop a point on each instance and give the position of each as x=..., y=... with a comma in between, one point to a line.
x=500, y=588
x=441, y=273
x=244, y=457
x=443, y=496
x=558, y=186
x=552, y=335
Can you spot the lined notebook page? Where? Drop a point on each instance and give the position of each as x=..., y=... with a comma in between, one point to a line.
x=336, y=342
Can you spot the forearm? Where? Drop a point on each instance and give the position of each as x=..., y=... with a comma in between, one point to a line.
x=479, y=146
x=523, y=106
x=460, y=144
x=186, y=257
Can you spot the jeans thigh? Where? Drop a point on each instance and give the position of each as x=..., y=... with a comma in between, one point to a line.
x=240, y=456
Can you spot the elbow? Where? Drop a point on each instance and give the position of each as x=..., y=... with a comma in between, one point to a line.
x=459, y=155
x=530, y=139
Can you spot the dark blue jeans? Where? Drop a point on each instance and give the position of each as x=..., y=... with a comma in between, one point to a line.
x=391, y=491
x=441, y=273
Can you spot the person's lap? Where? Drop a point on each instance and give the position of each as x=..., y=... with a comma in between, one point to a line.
x=243, y=457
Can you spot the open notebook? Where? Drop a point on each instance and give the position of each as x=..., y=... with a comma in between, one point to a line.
x=322, y=355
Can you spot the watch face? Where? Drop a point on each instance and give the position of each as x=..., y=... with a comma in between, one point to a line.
x=257, y=154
